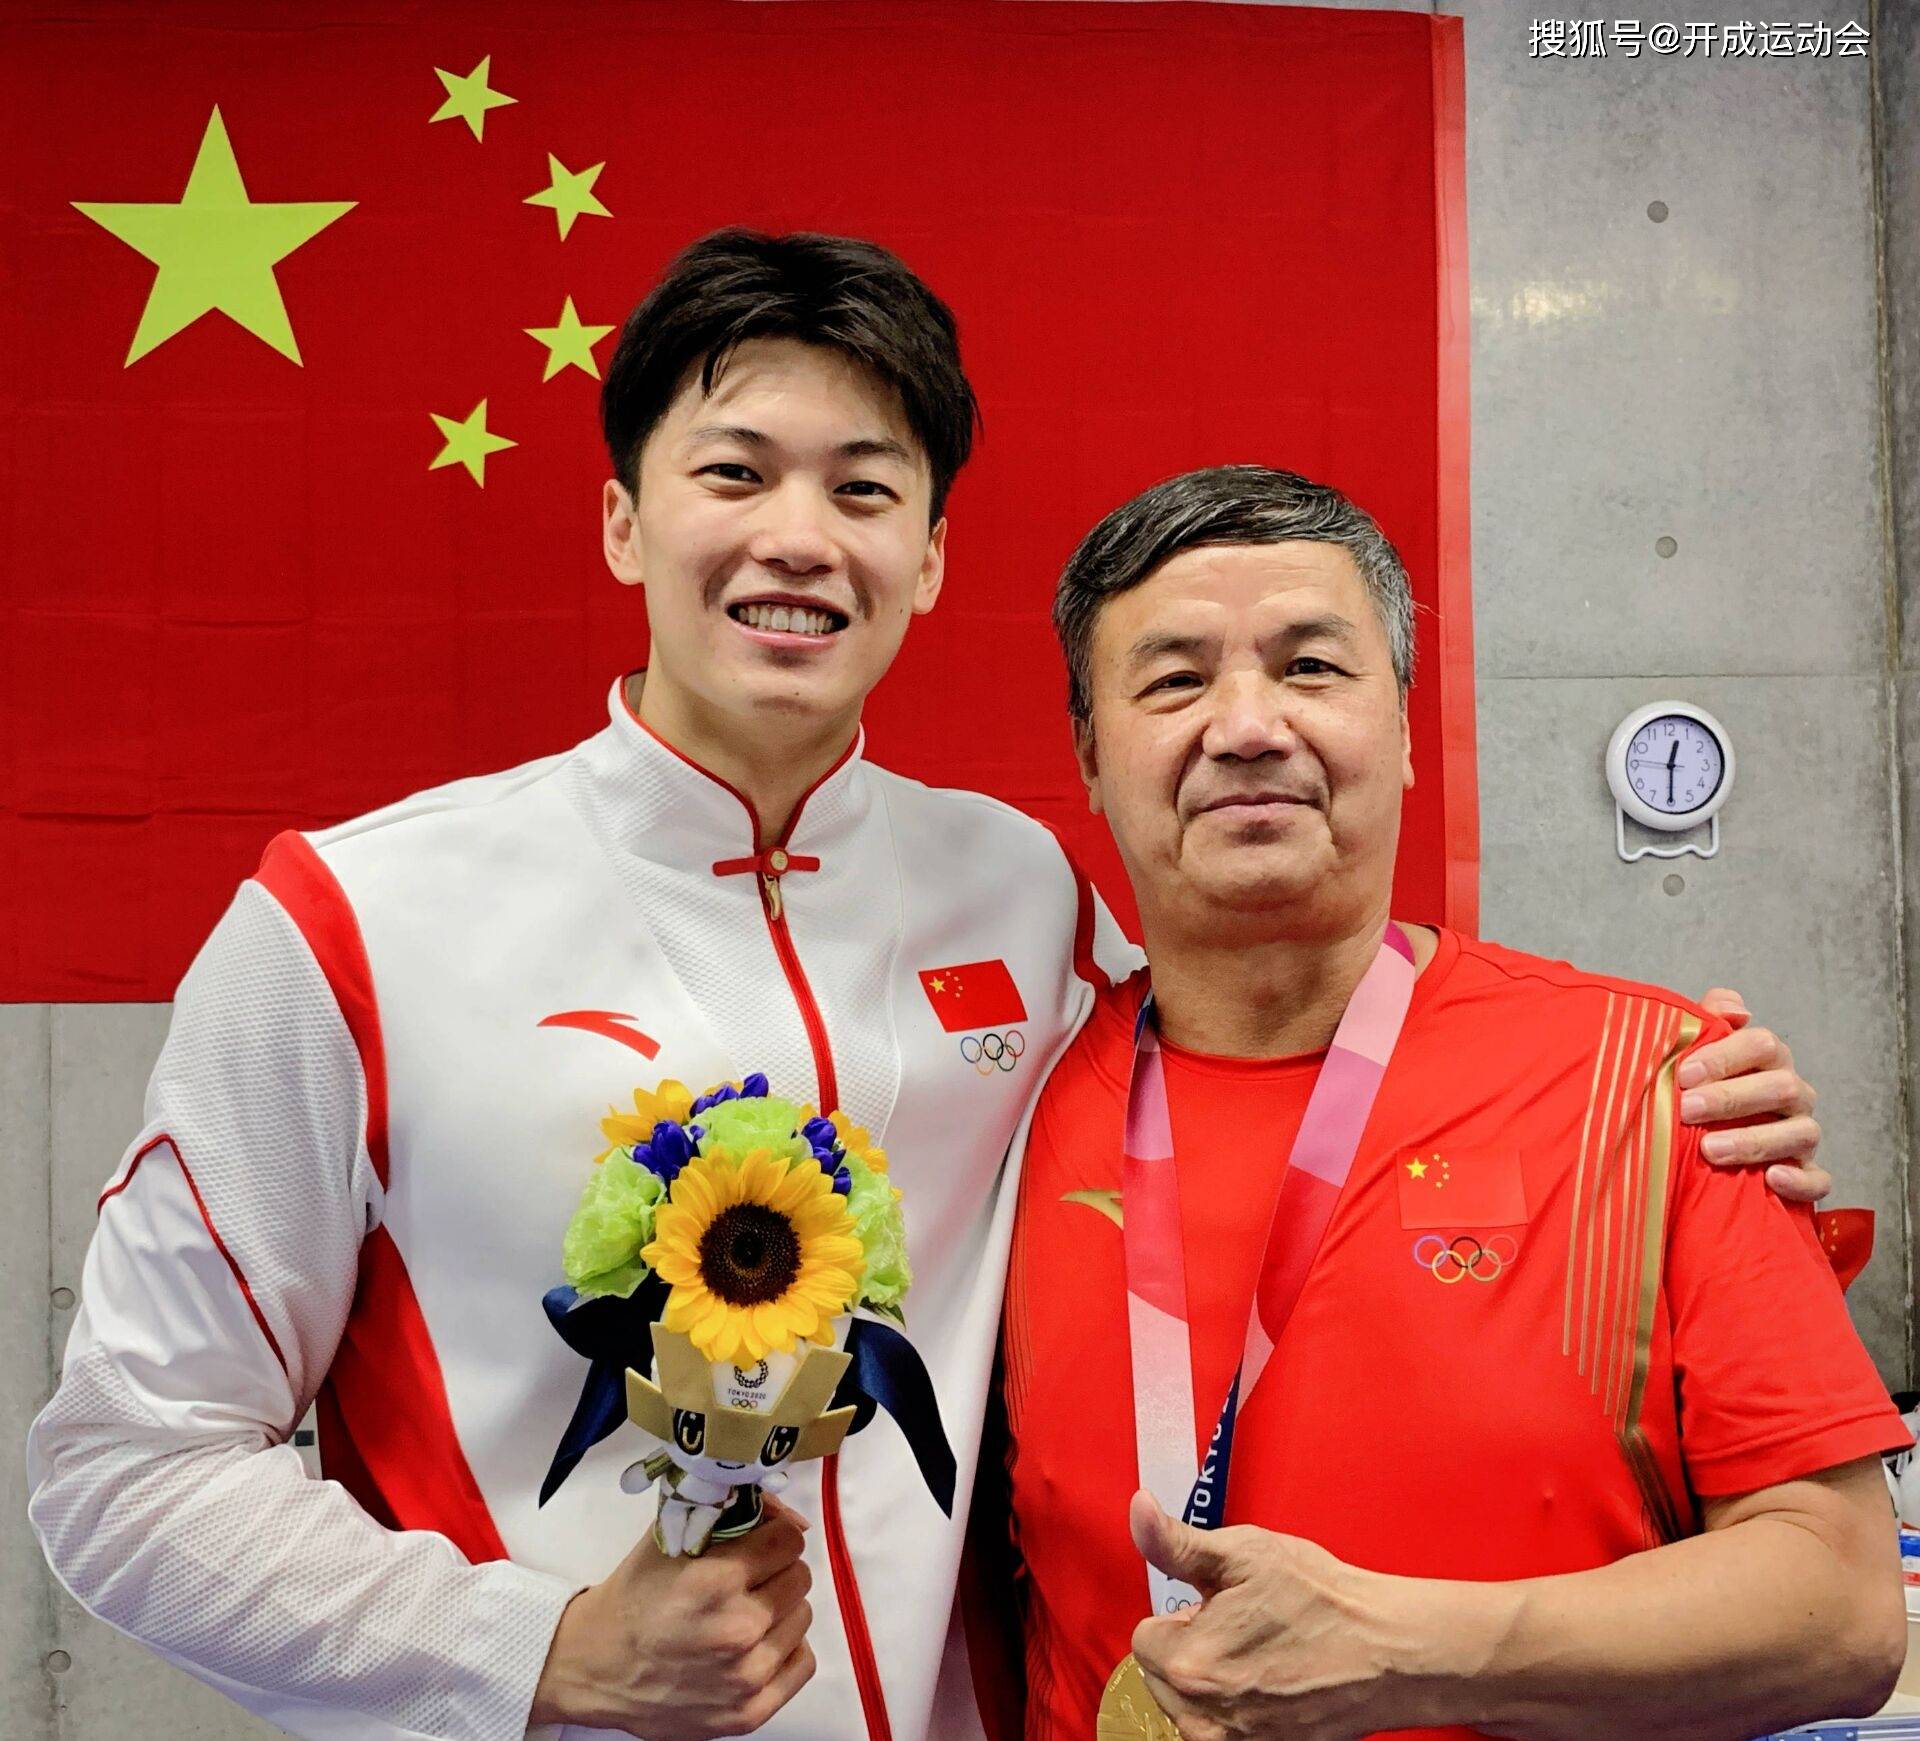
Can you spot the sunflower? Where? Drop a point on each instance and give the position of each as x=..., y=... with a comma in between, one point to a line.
x=670, y=1103
x=759, y=1254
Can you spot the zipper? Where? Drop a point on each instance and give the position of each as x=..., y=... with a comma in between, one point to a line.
x=853, y=1616
x=810, y=1016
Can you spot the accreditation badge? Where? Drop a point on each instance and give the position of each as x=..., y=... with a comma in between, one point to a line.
x=1128, y=1711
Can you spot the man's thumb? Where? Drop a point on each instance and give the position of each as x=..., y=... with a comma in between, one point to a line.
x=1192, y=1555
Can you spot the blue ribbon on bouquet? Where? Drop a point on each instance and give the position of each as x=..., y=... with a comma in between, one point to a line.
x=886, y=1372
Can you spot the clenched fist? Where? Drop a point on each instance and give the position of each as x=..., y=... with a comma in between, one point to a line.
x=686, y=1649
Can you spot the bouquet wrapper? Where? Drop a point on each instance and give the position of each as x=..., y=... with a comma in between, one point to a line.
x=729, y=1433
x=877, y=1368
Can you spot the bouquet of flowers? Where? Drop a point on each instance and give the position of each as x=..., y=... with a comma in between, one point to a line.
x=721, y=1247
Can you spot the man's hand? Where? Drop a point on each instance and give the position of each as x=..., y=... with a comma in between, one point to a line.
x=1287, y=1641
x=1750, y=1075
x=686, y=1649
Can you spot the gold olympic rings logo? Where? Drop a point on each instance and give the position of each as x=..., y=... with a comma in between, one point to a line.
x=1454, y=1260
x=991, y=1052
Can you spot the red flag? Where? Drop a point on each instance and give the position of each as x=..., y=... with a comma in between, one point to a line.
x=976, y=994
x=337, y=579
x=1846, y=1236
x=1461, y=1188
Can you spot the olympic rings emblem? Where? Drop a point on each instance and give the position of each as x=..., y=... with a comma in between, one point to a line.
x=991, y=1052
x=1453, y=1260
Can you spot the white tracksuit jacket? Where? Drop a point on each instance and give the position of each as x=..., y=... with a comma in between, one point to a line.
x=363, y=1139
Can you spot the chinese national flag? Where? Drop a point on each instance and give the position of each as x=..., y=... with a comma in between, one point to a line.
x=1846, y=1237
x=305, y=314
x=976, y=994
x=1481, y=1189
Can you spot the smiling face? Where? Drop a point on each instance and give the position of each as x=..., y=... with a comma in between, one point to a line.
x=1248, y=741
x=780, y=530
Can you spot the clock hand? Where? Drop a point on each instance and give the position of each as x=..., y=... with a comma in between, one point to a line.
x=1673, y=755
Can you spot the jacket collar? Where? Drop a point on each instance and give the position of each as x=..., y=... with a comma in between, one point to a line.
x=659, y=804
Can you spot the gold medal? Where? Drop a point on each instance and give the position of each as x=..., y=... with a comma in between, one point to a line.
x=1128, y=1712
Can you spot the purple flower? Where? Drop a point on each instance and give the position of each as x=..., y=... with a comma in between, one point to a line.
x=725, y=1092
x=666, y=1151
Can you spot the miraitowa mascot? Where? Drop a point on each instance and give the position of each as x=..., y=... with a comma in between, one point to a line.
x=730, y=1269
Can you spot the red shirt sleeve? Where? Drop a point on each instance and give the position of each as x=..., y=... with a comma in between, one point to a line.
x=1773, y=1380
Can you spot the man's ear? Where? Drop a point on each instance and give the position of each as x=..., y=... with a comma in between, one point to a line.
x=933, y=569
x=1086, y=753
x=617, y=538
x=1406, y=748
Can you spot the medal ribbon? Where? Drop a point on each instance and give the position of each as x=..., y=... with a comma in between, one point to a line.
x=1187, y=1485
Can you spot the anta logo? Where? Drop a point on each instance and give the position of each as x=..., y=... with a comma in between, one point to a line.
x=612, y=1024
x=1105, y=1203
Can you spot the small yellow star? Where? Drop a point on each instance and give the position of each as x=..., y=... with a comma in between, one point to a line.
x=569, y=343
x=468, y=443
x=469, y=99
x=1418, y=1169
x=569, y=195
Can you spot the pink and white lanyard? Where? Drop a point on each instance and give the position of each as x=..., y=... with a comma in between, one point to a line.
x=1186, y=1484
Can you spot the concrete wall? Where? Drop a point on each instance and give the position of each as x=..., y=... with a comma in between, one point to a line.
x=1897, y=115
x=1709, y=385
x=1715, y=379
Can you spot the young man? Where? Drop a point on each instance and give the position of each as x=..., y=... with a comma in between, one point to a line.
x=385, y=1073
x=1421, y=1209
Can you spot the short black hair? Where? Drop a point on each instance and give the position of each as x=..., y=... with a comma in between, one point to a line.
x=834, y=291
x=1223, y=504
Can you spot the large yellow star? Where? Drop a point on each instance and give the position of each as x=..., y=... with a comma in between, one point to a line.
x=216, y=249
x=569, y=343
x=570, y=195
x=469, y=441
x=469, y=99
x=1418, y=1169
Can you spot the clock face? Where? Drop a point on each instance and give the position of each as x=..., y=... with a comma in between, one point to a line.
x=1674, y=764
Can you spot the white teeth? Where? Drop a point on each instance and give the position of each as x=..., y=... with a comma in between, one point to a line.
x=786, y=619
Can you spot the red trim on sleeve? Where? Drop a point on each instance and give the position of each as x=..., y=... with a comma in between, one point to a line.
x=388, y=1433
x=1084, y=962
x=293, y=873
x=163, y=1140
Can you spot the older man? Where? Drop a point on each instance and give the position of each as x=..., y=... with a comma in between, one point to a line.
x=1390, y=1247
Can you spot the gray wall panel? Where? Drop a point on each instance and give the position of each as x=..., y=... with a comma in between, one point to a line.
x=1774, y=915
x=1899, y=162
x=28, y=1687
x=1712, y=378
x=102, y=1055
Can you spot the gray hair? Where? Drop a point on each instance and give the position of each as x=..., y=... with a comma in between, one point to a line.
x=1226, y=504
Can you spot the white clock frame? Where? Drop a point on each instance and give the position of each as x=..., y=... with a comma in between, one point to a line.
x=1628, y=802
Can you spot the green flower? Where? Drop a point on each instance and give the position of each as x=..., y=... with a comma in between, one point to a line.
x=601, y=1251
x=875, y=1207
x=761, y=1122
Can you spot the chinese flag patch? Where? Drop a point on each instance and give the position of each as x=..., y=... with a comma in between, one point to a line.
x=976, y=994
x=1460, y=1190
x=1846, y=1237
